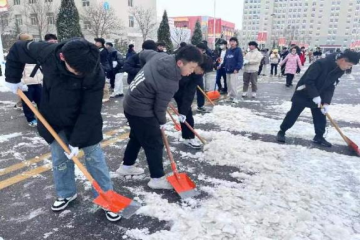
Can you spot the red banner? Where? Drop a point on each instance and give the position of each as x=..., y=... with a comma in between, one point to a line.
x=262, y=37
x=282, y=42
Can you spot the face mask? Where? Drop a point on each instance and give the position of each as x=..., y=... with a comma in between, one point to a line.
x=222, y=46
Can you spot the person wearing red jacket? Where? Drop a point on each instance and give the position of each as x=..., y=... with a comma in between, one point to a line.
x=302, y=56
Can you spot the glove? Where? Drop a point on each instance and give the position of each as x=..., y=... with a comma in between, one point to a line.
x=114, y=64
x=74, y=151
x=182, y=118
x=24, y=88
x=317, y=101
x=325, y=109
x=246, y=62
x=162, y=127
x=14, y=86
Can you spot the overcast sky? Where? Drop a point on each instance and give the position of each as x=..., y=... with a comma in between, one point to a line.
x=229, y=10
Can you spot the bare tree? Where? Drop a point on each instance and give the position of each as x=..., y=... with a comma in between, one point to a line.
x=179, y=35
x=101, y=22
x=40, y=16
x=145, y=19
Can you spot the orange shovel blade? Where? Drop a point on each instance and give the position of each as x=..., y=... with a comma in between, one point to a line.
x=354, y=147
x=213, y=95
x=183, y=185
x=116, y=203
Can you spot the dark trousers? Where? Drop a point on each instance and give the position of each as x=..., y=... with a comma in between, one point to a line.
x=34, y=95
x=289, y=79
x=221, y=73
x=111, y=76
x=319, y=119
x=283, y=69
x=199, y=96
x=274, y=68
x=145, y=132
x=260, y=69
x=185, y=131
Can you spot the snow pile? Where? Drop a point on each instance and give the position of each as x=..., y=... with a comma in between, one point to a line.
x=292, y=193
x=339, y=112
x=244, y=120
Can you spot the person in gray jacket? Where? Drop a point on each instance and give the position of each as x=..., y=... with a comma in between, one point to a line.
x=145, y=107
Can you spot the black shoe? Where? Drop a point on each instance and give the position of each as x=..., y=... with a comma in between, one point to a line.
x=223, y=92
x=202, y=109
x=281, y=137
x=61, y=203
x=287, y=85
x=321, y=141
x=112, y=217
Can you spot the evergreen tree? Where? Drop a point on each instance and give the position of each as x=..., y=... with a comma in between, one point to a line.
x=164, y=33
x=197, y=36
x=67, y=22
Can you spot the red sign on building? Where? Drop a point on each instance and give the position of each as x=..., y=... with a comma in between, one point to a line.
x=262, y=37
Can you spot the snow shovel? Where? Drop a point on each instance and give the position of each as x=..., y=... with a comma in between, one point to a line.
x=181, y=182
x=213, y=95
x=177, y=125
x=188, y=125
x=207, y=97
x=350, y=143
x=109, y=200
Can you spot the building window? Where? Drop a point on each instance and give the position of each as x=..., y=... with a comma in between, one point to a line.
x=50, y=18
x=18, y=19
x=86, y=3
x=87, y=25
x=131, y=21
x=32, y=1
x=130, y=3
x=33, y=19
x=48, y=1
x=16, y=2
x=4, y=20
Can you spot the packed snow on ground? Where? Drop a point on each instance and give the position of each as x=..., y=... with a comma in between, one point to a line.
x=245, y=120
x=292, y=193
x=339, y=112
x=7, y=137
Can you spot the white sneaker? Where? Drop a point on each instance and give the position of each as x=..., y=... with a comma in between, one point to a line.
x=116, y=95
x=235, y=100
x=253, y=95
x=194, y=143
x=129, y=170
x=244, y=94
x=160, y=183
x=61, y=203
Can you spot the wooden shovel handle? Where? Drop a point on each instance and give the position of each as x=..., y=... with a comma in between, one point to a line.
x=337, y=128
x=202, y=91
x=188, y=125
x=172, y=118
x=167, y=146
x=54, y=134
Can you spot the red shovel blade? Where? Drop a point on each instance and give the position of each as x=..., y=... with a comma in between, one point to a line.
x=213, y=95
x=354, y=147
x=183, y=185
x=178, y=127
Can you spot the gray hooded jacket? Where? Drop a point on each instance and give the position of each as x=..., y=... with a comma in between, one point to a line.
x=153, y=87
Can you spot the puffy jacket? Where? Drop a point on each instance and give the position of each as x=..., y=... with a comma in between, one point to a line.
x=69, y=103
x=153, y=87
x=292, y=63
x=274, y=58
x=233, y=60
x=132, y=66
x=320, y=79
x=253, y=59
x=27, y=80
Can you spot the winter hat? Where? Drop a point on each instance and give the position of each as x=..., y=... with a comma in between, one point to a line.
x=100, y=40
x=149, y=45
x=253, y=43
x=234, y=39
x=222, y=41
x=25, y=37
x=183, y=44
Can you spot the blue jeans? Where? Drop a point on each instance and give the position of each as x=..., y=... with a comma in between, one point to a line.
x=200, y=98
x=64, y=171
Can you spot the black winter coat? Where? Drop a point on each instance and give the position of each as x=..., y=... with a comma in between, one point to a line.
x=104, y=59
x=186, y=93
x=320, y=79
x=132, y=66
x=69, y=103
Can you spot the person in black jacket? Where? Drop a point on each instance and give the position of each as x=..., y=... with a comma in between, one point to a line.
x=145, y=106
x=71, y=102
x=184, y=98
x=283, y=55
x=315, y=90
x=104, y=55
x=132, y=65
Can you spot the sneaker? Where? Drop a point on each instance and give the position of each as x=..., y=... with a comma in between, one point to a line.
x=18, y=105
x=321, y=141
x=281, y=137
x=129, y=170
x=111, y=216
x=61, y=203
x=253, y=95
x=287, y=85
x=235, y=100
x=33, y=123
x=194, y=143
x=223, y=92
x=114, y=95
x=160, y=183
x=244, y=95
x=202, y=109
